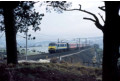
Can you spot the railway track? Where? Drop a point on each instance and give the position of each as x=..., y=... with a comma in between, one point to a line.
x=48, y=56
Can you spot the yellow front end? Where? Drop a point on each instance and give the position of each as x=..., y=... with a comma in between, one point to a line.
x=52, y=49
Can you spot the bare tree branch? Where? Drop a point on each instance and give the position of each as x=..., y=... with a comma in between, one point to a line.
x=82, y=11
x=80, y=6
x=89, y=19
x=97, y=23
x=102, y=17
x=99, y=26
x=102, y=8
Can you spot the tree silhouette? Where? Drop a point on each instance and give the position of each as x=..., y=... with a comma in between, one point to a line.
x=18, y=16
x=10, y=31
x=111, y=31
x=25, y=17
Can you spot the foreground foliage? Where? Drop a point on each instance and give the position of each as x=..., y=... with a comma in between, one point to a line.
x=49, y=72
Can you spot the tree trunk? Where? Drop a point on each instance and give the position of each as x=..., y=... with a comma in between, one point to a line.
x=110, y=58
x=111, y=42
x=10, y=32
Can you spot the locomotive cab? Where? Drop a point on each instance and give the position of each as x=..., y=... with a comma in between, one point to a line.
x=52, y=48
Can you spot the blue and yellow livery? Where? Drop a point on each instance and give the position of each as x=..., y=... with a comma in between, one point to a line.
x=52, y=47
x=57, y=47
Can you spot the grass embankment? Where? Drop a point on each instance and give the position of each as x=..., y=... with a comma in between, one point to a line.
x=49, y=72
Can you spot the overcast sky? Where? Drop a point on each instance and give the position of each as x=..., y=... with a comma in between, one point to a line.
x=67, y=25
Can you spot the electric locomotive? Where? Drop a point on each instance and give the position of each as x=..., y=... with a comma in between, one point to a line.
x=60, y=47
x=57, y=47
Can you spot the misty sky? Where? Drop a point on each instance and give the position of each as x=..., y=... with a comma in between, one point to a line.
x=67, y=25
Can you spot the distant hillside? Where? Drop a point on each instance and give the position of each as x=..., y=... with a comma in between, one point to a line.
x=44, y=43
x=35, y=44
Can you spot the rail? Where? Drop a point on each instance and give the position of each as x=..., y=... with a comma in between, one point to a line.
x=73, y=53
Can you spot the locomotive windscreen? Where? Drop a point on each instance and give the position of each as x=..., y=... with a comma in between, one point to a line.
x=52, y=44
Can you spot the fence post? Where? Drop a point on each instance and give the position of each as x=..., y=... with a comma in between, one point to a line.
x=88, y=63
x=71, y=60
x=46, y=57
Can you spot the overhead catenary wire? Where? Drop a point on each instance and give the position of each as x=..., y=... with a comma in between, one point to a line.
x=2, y=35
x=44, y=38
x=20, y=36
x=42, y=35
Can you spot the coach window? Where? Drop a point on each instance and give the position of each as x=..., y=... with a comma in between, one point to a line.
x=65, y=44
x=60, y=45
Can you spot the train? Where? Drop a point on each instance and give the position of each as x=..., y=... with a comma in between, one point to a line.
x=64, y=46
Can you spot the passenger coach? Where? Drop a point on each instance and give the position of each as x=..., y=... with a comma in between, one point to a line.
x=59, y=47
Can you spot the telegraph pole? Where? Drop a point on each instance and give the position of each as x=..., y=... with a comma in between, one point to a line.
x=79, y=43
x=89, y=42
x=86, y=41
x=26, y=45
x=58, y=40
